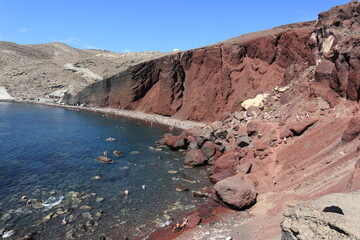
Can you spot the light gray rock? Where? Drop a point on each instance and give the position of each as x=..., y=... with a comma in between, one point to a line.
x=334, y=216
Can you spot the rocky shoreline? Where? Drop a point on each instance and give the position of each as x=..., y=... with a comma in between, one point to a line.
x=147, y=118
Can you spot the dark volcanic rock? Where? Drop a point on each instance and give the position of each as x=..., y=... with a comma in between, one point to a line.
x=237, y=192
x=195, y=157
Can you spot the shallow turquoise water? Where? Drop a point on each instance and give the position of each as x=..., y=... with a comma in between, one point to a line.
x=48, y=154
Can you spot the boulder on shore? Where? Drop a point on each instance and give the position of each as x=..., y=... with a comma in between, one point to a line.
x=208, y=149
x=238, y=192
x=176, y=142
x=195, y=157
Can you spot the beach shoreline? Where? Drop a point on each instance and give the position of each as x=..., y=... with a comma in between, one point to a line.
x=149, y=118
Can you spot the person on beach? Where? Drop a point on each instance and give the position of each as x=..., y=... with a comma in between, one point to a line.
x=105, y=153
x=179, y=226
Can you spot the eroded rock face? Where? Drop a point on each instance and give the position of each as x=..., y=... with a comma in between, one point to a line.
x=338, y=49
x=334, y=216
x=205, y=83
x=238, y=192
x=353, y=129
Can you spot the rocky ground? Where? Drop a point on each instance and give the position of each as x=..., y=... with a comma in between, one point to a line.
x=287, y=146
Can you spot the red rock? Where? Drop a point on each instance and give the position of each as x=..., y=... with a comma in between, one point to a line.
x=301, y=126
x=285, y=133
x=237, y=192
x=339, y=51
x=200, y=84
x=244, y=168
x=195, y=157
x=226, y=162
x=260, y=145
x=353, y=130
x=325, y=71
x=208, y=149
x=176, y=142
x=195, y=132
x=193, y=220
x=190, y=138
x=214, y=178
x=253, y=127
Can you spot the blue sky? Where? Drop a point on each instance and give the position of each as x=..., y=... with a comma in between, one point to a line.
x=156, y=25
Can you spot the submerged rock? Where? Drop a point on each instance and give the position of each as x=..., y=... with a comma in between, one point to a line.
x=8, y=234
x=134, y=152
x=181, y=187
x=104, y=159
x=117, y=153
x=110, y=139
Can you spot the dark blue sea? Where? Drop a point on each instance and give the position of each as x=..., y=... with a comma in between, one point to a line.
x=51, y=187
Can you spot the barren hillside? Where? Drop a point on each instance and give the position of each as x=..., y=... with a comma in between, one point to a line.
x=33, y=71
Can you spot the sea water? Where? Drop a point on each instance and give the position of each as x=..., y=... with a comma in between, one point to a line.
x=51, y=187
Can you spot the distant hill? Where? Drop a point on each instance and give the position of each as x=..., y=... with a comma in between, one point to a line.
x=32, y=71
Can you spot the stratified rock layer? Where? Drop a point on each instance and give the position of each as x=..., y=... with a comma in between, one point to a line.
x=334, y=216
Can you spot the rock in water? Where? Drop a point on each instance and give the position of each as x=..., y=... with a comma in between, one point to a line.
x=104, y=159
x=238, y=192
x=110, y=139
x=117, y=153
x=334, y=216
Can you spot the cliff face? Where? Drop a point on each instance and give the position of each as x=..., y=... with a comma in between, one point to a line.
x=337, y=51
x=206, y=83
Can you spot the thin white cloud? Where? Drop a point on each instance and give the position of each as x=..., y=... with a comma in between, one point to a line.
x=67, y=40
x=126, y=50
x=24, y=30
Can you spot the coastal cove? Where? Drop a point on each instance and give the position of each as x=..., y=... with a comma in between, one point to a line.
x=48, y=155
